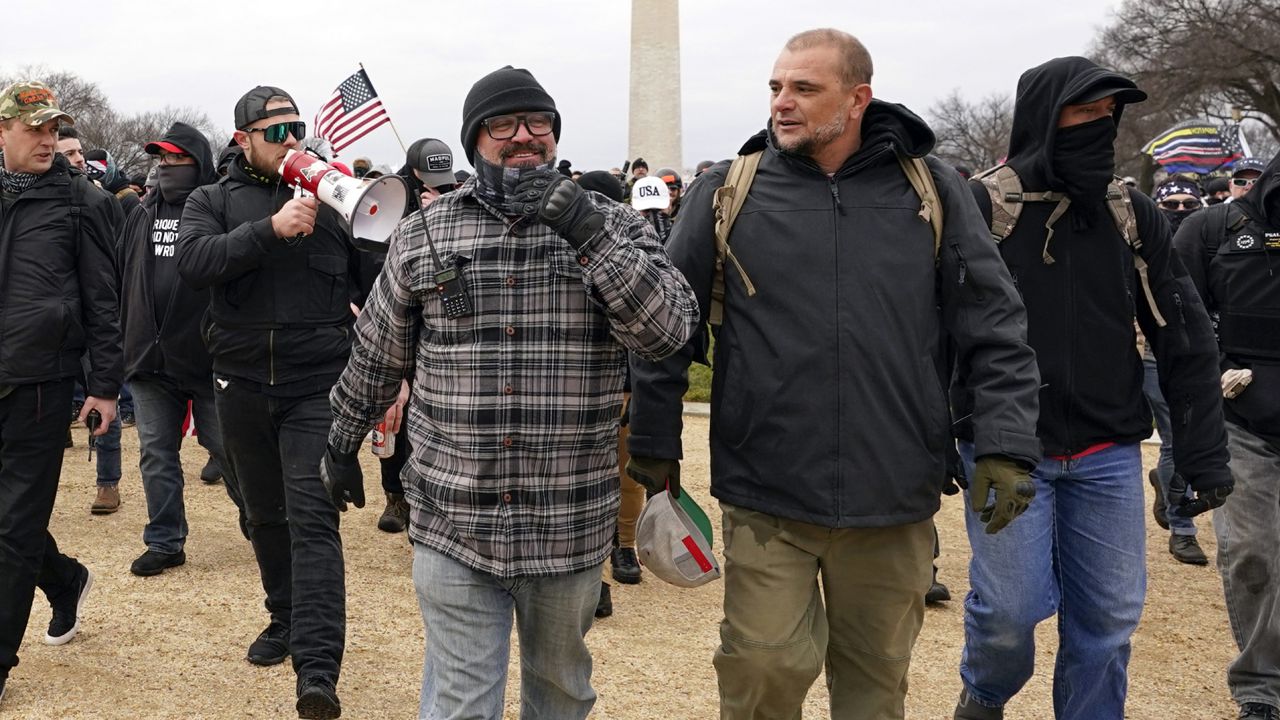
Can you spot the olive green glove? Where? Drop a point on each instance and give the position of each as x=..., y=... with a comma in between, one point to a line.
x=655, y=474
x=1013, y=491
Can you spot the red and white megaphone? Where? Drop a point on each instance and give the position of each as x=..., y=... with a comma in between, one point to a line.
x=370, y=207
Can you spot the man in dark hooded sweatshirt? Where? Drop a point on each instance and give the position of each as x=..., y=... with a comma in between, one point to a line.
x=830, y=431
x=1079, y=550
x=1231, y=252
x=165, y=358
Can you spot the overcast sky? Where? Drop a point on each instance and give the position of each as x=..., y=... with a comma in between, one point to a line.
x=423, y=56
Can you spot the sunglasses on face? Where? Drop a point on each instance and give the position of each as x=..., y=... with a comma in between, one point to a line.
x=277, y=133
x=504, y=127
x=1190, y=204
x=1243, y=182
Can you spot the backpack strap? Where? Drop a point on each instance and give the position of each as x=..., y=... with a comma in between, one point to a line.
x=921, y=179
x=1005, y=188
x=1120, y=206
x=727, y=203
x=77, y=204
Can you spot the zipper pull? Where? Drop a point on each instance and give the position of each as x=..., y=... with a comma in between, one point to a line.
x=1177, y=300
x=835, y=192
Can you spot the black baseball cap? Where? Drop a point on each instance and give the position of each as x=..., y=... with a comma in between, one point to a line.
x=252, y=107
x=1125, y=91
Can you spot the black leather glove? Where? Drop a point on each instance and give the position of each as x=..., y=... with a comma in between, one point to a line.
x=655, y=474
x=343, y=480
x=1013, y=488
x=1206, y=497
x=560, y=204
x=956, y=478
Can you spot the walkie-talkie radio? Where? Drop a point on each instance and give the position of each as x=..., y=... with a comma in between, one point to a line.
x=453, y=291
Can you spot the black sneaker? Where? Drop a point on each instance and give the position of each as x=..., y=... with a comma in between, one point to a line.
x=937, y=594
x=970, y=709
x=626, y=568
x=152, y=562
x=127, y=419
x=317, y=700
x=1159, y=507
x=604, y=606
x=271, y=647
x=211, y=473
x=1258, y=711
x=66, y=609
x=75, y=411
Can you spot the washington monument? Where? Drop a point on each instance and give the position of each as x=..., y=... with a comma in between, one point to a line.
x=654, y=127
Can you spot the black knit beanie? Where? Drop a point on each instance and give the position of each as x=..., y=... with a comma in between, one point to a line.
x=503, y=91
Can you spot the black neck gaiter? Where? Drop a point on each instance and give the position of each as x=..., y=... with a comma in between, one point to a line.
x=1084, y=161
x=176, y=182
x=496, y=184
x=1175, y=217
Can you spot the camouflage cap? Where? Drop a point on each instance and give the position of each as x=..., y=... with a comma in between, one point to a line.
x=32, y=102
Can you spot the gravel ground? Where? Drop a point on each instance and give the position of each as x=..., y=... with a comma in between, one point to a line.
x=173, y=646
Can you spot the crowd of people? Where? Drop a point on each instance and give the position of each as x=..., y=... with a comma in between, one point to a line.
x=886, y=330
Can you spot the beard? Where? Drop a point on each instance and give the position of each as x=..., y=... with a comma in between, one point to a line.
x=819, y=138
x=262, y=161
x=534, y=146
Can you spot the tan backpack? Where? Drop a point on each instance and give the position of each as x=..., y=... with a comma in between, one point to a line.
x=1007, y=198
x=730, y=197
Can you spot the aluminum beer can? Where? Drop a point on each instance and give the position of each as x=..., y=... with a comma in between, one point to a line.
x=383, y=442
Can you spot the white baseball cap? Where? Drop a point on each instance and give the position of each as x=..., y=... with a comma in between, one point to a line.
x=650, y=193
x=673, y=540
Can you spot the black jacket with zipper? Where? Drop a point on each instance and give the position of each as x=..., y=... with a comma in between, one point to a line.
x=827, y=404
x=171, y=345
x=1081, y=306
x=58, y=289
x=279, y=309
x=1232, y=252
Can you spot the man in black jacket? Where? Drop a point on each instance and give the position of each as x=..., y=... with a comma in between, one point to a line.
x=281, y=272
x=57, y=300
x=830, y=426
x=1229, y=251
x=1079, y=551
x=165, y=358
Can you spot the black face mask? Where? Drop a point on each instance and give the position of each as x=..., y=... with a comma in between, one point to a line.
x=1084, y=161
x=176, y=182
x=495, y=184
x=1175, y=217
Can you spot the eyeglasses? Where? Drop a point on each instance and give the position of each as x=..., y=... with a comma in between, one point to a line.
x=504, y=127
x=1244, y=182
x=174, y=158
x=277, y=133
x=1189, y=204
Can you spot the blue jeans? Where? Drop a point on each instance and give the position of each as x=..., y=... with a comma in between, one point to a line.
x=1078, y=551
x=1178, y=525
x=107, y=453
x=161, y=408
x=467, y=615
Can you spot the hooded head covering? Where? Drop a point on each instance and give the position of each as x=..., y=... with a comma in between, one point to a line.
x=176, y=181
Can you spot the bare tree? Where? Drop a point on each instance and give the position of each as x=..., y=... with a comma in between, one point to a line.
x=101, y=126
x=974, y=134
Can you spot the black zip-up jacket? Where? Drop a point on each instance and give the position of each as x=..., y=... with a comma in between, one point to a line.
x=1238, y=274
x=171, y=347
x=58, y=294
x=827, y=404
x=279, y=311
x=1081, y=307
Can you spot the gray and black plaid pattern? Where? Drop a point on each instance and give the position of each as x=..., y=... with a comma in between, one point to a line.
x=15, y=182
x=513, y=418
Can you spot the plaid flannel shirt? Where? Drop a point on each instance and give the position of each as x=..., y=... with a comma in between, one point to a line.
x=513, y=414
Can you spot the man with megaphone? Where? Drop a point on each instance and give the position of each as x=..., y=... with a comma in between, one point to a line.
x=282, y=273
x=518, y=295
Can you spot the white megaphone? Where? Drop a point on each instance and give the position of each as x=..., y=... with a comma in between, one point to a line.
x=370, y=207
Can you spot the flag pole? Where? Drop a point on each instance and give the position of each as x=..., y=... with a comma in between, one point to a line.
x=389, y=120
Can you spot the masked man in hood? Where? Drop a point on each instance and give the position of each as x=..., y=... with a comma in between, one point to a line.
x=1086, y=252
x=830, y=434
x=282, y=273
x=1231, y=251
x=514, y=300
x=166, y=361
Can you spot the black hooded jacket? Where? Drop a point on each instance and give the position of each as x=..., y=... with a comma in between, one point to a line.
x=167, y=343
x=827, y=400
x=1237, y=272
x=58, y=289
x=279, y=314
x=1081, y=307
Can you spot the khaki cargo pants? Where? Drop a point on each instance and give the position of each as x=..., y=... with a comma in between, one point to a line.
x=777, y=633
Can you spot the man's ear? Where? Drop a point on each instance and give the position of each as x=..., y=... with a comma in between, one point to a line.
x=242, y=139
x=861, y=100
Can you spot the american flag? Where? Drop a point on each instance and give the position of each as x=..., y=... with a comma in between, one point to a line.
x=353, y=112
